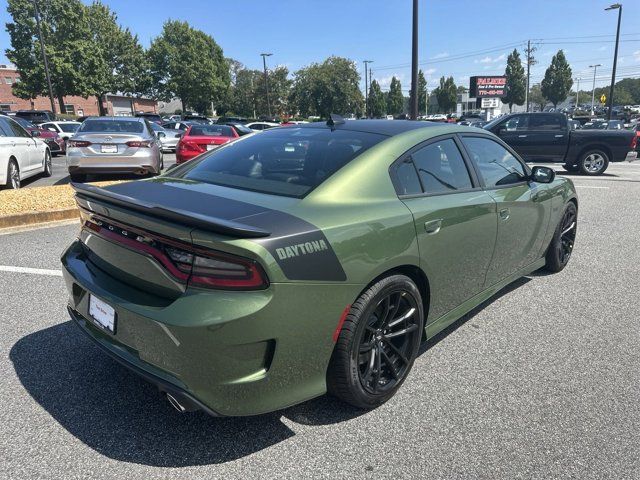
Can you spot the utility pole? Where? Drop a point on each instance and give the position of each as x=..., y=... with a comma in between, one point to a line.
x=366, y=88
x=266, y=80
x=577, y=91
x=414, y=64
x=615, y=6
x=44, y=57
x=593, y=89
x=530, y=61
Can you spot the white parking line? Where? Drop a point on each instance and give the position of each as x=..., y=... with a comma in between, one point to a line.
x=590, y=186
x=33, y=271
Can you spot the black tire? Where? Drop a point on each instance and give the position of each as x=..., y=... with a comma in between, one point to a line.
x=593, y=162
x=375, y=324
x=78, y=177
x=48, y=168
x=571, y=168
x=561, y=246
x=13, y=175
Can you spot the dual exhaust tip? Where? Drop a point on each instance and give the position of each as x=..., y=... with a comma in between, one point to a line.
x=180, y=403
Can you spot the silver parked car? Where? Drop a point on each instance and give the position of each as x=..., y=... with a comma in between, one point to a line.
x=168, y=138
x=114, y=145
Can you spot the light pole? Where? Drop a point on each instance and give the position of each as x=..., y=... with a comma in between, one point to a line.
x=44, y=57
x=593, y=88
x=414, y=64
x=366, y=88
x=615, y=6
x=266, y=79
x=577, y=92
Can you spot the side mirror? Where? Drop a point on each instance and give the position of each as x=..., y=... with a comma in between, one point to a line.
x=35, y=133
x=542, y=174
x=161, y=134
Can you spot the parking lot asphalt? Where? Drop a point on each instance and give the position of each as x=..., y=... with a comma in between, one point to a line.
x=542, y=381
x=61, y=174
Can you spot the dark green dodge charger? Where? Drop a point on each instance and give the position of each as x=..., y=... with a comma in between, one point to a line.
x=308, y=259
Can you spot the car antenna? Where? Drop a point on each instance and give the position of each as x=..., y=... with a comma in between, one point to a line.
x=334, y=120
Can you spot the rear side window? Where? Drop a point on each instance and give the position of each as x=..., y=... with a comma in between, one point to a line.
x=441, y=167
x=497, y=165
x=111, y=126
x=546, y=122
x=287, y=161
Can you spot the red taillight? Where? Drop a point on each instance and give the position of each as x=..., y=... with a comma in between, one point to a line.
x=634, y=141
x=193, y=147
x=196, y=267
x=79, y=143
x=139, y=144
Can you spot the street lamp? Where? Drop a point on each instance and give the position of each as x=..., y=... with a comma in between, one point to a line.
x=266, y=79
x=577, y=91
x=366, y=88
x=414, y=63
x=593, y=89
x=615, y=6
x=44, y=57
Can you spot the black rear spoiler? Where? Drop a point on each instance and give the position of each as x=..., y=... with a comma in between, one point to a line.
x=206, y=222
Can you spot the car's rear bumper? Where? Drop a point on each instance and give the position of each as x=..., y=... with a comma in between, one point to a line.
x=227, y=352
x=113, y=170
x=142, y=161
x=631, y=156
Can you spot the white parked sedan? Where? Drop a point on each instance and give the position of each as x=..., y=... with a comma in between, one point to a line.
x=21, y=155
x=261, y=125
x=64, y=129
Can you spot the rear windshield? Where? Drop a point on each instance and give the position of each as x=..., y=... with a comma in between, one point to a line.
x=69, y=127
x=111, y=126
x=211, y=131
x=33, y=115
x=288, y=161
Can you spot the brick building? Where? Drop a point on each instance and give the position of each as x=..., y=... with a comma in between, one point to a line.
x=118, y=105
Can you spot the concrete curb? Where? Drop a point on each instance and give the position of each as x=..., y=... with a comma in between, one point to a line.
x=32, y=218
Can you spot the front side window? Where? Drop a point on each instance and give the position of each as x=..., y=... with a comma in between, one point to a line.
x=497, y=165
x=441, y=167
x=289, y=162
x=517, y=123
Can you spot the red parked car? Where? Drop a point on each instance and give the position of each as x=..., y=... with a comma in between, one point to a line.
x=56, y=143
x=198, y=139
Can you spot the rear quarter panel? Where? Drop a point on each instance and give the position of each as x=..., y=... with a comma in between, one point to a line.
x=617, y=143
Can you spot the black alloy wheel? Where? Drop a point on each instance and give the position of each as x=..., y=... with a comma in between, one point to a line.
x=563, y=241
x=386, y=344
x=377, y=343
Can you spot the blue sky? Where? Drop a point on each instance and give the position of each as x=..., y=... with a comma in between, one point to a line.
x=457, y=37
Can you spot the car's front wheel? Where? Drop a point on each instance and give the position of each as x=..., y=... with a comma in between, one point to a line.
x=561, y=246
x=593, y=162
x=378, y=343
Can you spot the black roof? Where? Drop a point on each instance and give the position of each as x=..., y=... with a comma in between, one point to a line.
x=382, y=127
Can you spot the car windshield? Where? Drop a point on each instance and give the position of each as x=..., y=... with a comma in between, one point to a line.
x=156, y=128
x=289, y=162
x=69, y=127
x=111, y=126
x=210, y=131
x=242, y=130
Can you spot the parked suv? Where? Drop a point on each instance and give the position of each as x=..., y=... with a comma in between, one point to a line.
x=36, y=116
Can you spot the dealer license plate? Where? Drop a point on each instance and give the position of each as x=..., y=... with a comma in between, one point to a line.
x=211, y=147
x=109, y=148
x=103, y=313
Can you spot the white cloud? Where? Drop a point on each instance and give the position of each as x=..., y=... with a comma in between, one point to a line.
x=430, y=71
x=636, y=55
x=489, y=59
x=385, y=82
x=440, y=55
x=602, y=48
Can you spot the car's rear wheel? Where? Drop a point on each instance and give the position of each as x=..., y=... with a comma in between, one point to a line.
x=561, y=246
x=48, y=169
x=593, y=162
x=378, y=343
x=13, y=175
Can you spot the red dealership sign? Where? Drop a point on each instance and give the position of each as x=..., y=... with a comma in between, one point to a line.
x=493, y=86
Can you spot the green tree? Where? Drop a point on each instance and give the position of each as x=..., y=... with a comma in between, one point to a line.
x=536, y=97
x=516, y=81
x=446, y=94
x=244, y=92
x=557, y=80
x=328, y=87
x=65, y=30
x=279, y=91
x=422, y=92
x=395, y=99
x=188, y=64
x=377, y=103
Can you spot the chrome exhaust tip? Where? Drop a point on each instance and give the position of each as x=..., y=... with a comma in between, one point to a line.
x=175, y=403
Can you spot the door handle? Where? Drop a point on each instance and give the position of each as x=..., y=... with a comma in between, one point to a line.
x=433, y=226
x=522, y=136
x=504, y=214
x=559, y=136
